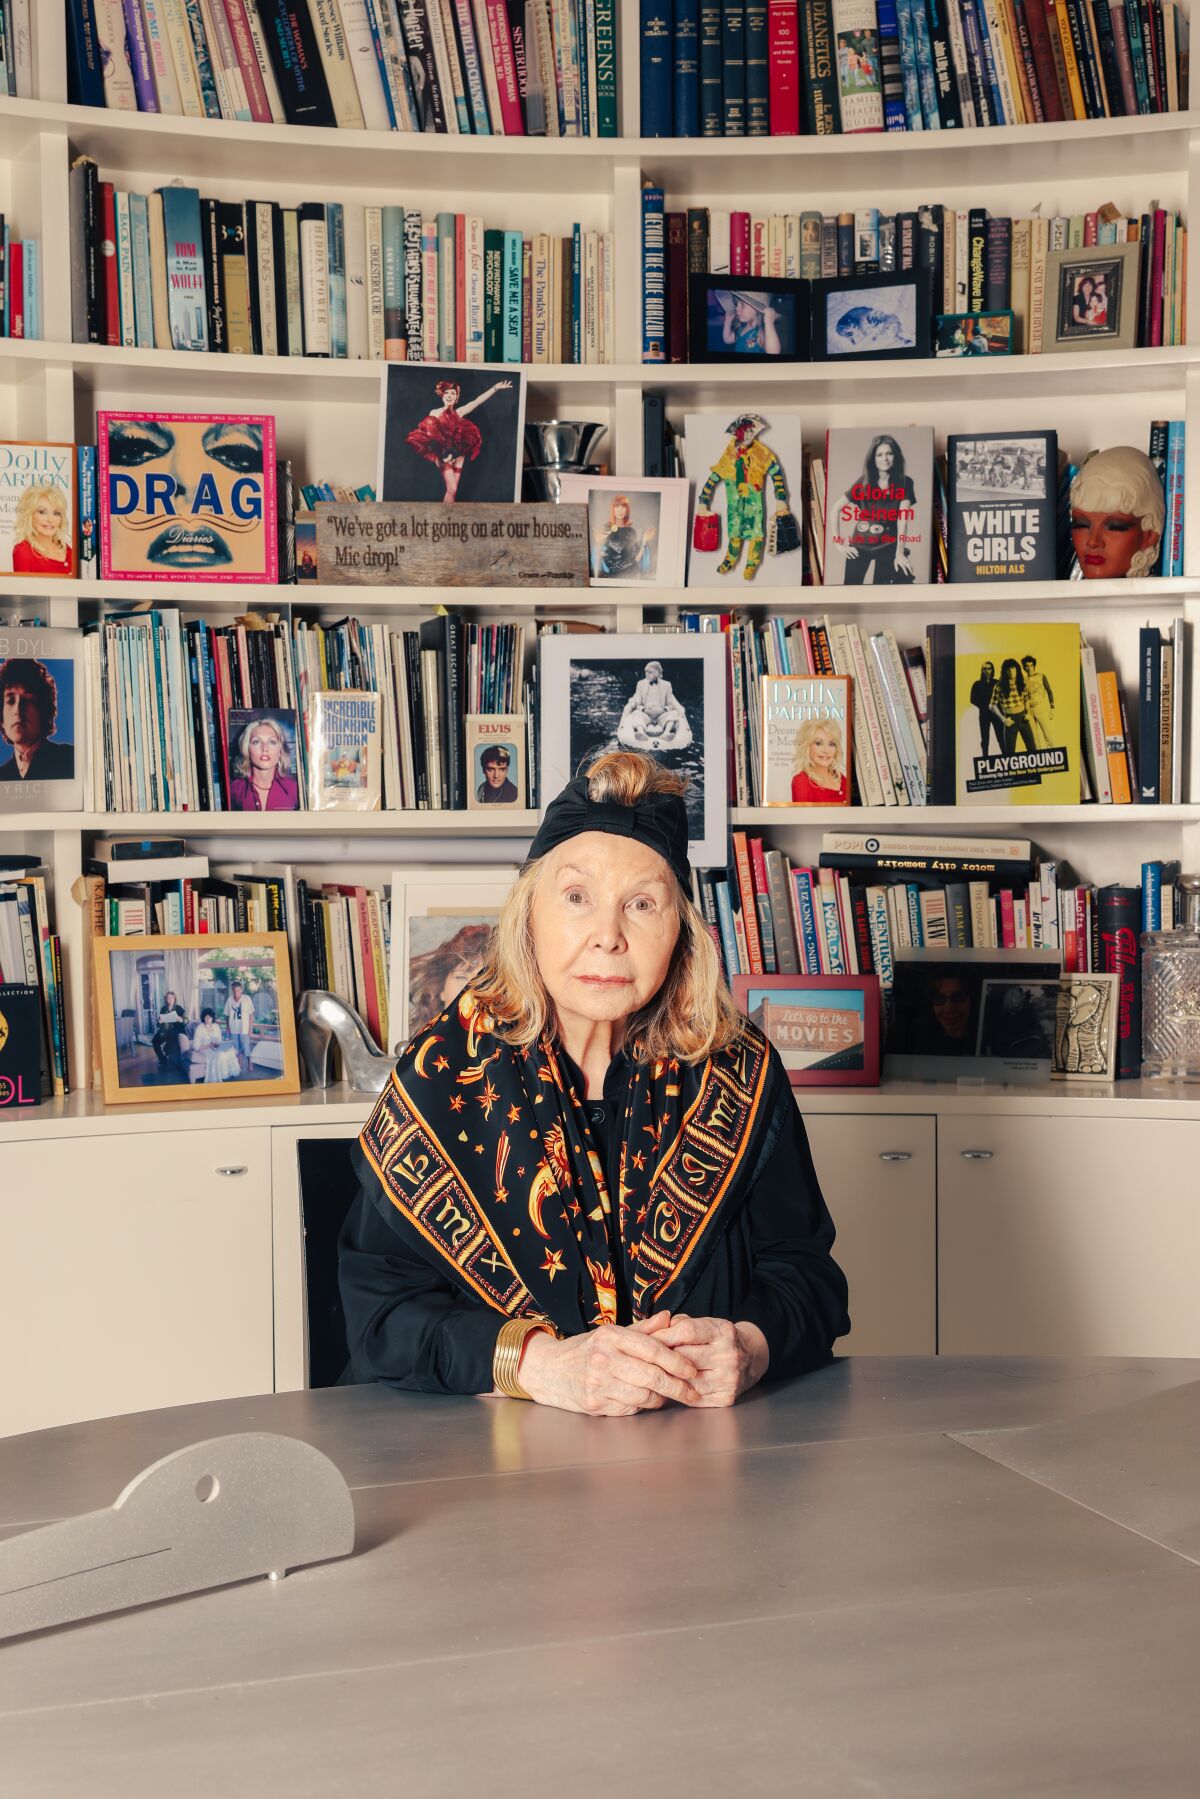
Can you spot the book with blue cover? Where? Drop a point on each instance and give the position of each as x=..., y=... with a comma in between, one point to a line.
x=187, y=308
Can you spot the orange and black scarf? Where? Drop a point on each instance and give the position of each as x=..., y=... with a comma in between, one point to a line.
x=483, y=1153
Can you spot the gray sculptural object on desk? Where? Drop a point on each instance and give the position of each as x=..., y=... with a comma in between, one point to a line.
x=322, y=1018
x=229, y=1509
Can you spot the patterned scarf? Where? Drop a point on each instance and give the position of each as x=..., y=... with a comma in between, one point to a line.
x=484, y=1153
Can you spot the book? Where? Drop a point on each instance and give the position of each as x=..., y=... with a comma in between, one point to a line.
x=879, y=515
x=20, y=1043
x=42, y=719
x=495, y=761
x=186, y=496
x=344, y=751
x=37, y=509
x=1009, y=732
x=806, y=739
x=1002, y=500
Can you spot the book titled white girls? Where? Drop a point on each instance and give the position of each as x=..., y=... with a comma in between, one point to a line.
x=187, y=496
x=878, y=506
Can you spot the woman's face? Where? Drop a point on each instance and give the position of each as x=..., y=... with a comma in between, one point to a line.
x=952, y=1007
x=620, y=513
x=48, y=518
x=884, y=458
x=1107, y=542
x=451, y=396
x=263, y=749
x=823, y=749
x=605, y=925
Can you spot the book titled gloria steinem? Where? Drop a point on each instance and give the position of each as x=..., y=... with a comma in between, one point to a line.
x=187, y=496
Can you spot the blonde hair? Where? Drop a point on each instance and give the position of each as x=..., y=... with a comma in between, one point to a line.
x=804, y=741
x=23, y=528
x=693, y=1014
x=241, y=755
x=1135, y=489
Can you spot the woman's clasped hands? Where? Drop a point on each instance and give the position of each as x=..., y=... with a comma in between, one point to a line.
x=617, y=1370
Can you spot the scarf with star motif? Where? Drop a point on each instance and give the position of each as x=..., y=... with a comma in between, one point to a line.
x=483, y=1153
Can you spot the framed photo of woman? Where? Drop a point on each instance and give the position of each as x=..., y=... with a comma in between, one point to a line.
x=442, y=925
x=448, y=433
x=1092, y=297
x=637, y=528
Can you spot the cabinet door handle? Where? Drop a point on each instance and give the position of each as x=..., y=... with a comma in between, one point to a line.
x=895, y=1155
x=977, y=1155
x=234, y=1168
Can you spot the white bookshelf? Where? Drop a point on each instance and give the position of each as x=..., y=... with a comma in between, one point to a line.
x=325, y=411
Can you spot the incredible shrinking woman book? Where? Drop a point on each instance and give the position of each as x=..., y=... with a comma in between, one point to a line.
x=187, y=496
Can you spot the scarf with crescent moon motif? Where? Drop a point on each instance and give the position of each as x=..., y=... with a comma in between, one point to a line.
x=483, y=1153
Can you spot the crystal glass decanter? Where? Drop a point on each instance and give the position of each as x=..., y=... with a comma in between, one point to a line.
x=1171, y=994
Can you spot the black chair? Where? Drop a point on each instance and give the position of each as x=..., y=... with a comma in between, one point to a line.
x=328, y=1188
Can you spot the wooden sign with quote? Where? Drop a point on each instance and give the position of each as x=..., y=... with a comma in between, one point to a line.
x=404, y=543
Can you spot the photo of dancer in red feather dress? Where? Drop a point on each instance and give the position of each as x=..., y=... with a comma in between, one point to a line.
x=447, y=437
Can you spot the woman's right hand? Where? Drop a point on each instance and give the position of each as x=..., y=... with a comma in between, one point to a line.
x=611, y=1372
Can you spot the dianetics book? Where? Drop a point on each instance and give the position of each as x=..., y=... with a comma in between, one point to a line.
x=187, y=496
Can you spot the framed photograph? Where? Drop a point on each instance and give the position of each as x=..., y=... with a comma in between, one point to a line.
x=1085, y=1031
x=262, y=760
x=442, y=924
x=973, y=334
x=637, y=528
x=746, y=480
x=663, y=695
x=825, y=1026
x=972, y=1014
x=495, y=748
x=870, y=318
x=37, y=510
x=41, y=719
x=195, y=1017
x=806, y=740
x=1092, y=298
x=761, y=320
x=187, y=496
x=448, y=432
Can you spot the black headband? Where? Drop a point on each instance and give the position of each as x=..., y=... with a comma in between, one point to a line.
x=659, y=820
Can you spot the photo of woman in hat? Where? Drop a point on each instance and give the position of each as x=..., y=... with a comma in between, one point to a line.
x=751, y=323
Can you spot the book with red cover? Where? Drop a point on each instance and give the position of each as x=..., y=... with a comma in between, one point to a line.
x=108, y=264
x=16, y=280
x=1043, y=57
x=1120, y=917
x=745, y=884
x=739, y=243
x=783, y=67
x=460, y=287
x=1158, y=250
x=677, y=287
x=507, y=80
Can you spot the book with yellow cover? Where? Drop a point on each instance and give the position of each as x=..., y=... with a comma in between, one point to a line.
x=1005, y=714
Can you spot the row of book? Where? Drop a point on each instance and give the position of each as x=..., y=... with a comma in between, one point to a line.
x=503, y=68
x=174, y=270
x=31, y=959
x=759, y=68
x=974, y=262
x=920, y=520
x=20, y=284
x=1006, y=713
x=16, y=50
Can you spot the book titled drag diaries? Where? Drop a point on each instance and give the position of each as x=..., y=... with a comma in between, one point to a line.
x=879, y=515
x=1002, y=503
x=187, y=496
x=1005, y=714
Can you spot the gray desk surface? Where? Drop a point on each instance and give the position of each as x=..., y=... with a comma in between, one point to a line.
x=935, y=1579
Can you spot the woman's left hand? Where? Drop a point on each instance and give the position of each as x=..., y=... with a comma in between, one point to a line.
x=729, y=1358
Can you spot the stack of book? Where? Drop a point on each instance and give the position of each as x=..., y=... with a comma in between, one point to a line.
x=500, y=68
x=377, y=282
x=31, y=957
x=758, y=68
x=20, y=284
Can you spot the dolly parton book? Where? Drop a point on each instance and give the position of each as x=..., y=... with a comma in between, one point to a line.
x=1004, y=714
x=37, y=509
x=187, y=496
x=806, y=727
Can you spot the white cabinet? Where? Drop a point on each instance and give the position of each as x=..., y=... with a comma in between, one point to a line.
x=877, y=1174
x=1068, y=1236
x=135, y=1271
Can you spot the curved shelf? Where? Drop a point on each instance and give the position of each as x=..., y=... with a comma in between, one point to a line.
x=131, y=142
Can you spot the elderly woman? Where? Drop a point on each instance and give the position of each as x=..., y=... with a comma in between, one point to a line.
x=587, y=1183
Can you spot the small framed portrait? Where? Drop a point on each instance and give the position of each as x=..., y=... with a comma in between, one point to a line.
x=1092, y=297
x=761, y=321
x=977, y=1014
x=1085, y=1029
x=973, y=334
x=664, y=696
x=825, y=1026
x=450, y=433
x=41, y=719
x=806, y=741
x=195, y=1017
x=496, y=762
x=261, y=744
x=864, y=318
x=637, y=528
x=443, y=920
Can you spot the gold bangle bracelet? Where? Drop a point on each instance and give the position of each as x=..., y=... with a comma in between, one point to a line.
x=507, y=1357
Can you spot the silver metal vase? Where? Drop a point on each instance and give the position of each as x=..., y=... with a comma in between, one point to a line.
x=323, y=1018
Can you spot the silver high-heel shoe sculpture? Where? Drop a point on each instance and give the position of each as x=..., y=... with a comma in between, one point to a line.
x=320, y=1018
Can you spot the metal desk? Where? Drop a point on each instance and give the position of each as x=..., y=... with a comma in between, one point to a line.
x=975, y=1579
